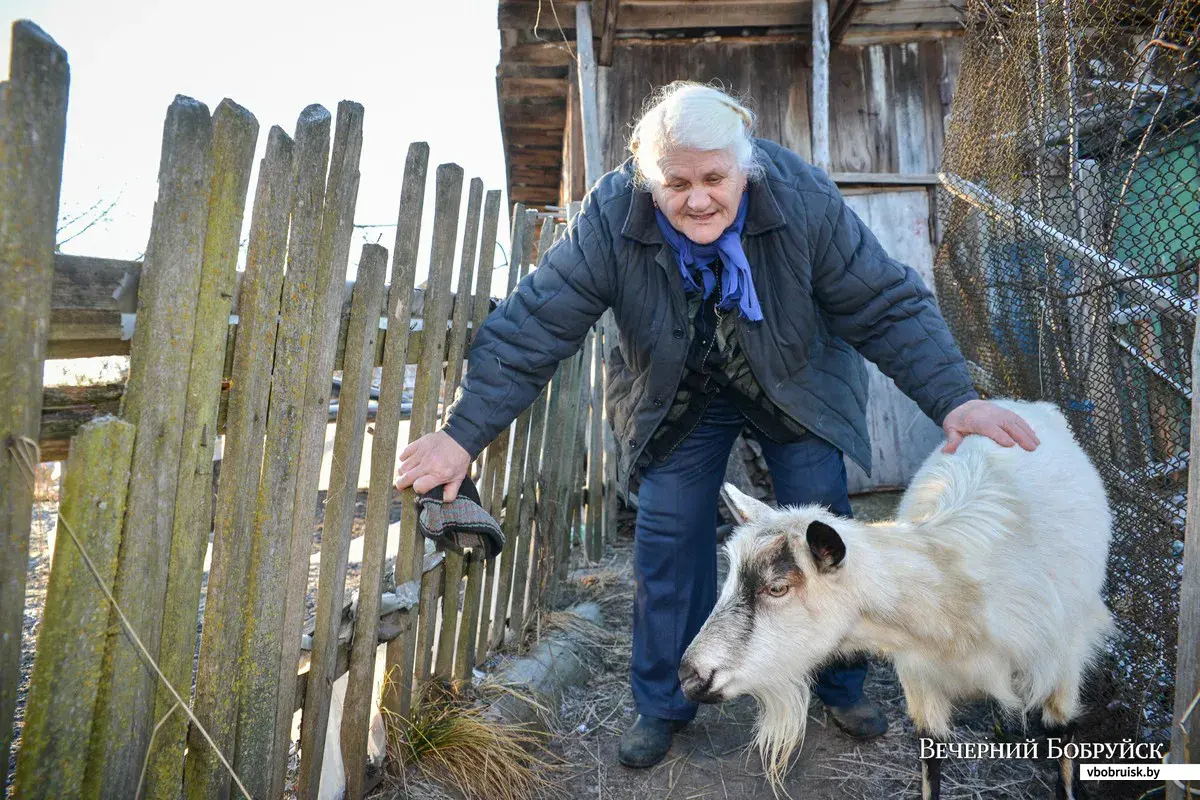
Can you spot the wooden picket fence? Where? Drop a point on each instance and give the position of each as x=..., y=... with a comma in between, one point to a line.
x=117, y=702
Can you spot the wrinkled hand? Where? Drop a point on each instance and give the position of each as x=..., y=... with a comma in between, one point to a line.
x=431, y=461
x=987, y=419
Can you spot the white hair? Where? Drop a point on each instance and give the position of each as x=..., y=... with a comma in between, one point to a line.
x=694, y=116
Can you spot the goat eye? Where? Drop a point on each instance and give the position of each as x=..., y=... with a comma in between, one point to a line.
x=778, y=589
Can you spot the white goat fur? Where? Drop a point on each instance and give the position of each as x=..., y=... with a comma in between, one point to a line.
x=987, y=583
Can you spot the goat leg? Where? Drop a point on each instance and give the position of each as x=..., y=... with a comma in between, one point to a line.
x=1067, y=784
x=931, y=767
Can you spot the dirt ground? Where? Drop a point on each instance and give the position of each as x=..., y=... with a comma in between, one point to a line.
x=710, y=758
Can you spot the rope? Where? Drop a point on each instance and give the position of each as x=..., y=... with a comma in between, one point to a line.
x=26, y=453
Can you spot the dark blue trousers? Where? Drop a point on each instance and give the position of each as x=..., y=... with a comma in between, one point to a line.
x=675, y=551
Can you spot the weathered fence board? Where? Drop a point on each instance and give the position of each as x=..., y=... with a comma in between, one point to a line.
x=241, y=464
x=595, y=480
x=468, y=628
x=235, y=132
x=70, y=646
x=155, y=403
x=453, y=571
x=265, y=639
x=517, y=469
x=447, y=198
x=333, y=255
x=356, y=712
x=33, y=113
x=339, y=505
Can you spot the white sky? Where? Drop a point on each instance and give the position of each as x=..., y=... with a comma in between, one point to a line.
x=424, y=71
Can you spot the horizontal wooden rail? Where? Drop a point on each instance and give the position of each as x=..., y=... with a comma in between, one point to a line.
x=93, y=309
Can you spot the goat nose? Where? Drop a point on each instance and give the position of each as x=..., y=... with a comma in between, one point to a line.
x=697, y=686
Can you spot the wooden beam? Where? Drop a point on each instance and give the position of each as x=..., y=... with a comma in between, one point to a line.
x=590, y=114
x=655, y=15
x=883, y=179
x=608, y=29
x=540, y=54
x=820, y=85
x=1185, y=730
x=841, y=21
x=532, y=87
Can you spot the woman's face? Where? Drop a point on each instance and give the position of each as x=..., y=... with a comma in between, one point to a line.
x=700, y=192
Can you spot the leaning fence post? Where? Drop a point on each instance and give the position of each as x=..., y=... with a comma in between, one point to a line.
x=448, y=194
x=155, y=402
x=479, y=312
x=360, y=684
x=1185, y=728
x=215, y=704
x=235, y=131
x=33, y=118
x=70, y=645
x=333, y=255
x=359, y=364
x=453, y=569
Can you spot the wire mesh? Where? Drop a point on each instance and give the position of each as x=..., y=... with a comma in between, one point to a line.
x=1070, y=206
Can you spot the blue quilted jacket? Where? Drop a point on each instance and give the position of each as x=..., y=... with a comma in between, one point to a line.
x=828, y=293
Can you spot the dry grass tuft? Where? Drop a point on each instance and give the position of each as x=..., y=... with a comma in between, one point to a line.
x=447, y=739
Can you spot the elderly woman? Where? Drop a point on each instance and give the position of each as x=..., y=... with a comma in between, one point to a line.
x=744, y=289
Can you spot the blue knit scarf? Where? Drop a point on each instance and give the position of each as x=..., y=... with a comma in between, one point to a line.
x=695, y=260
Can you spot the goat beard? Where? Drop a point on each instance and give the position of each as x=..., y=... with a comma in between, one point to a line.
x=781, y=724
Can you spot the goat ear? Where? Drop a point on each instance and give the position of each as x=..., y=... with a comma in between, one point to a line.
x=744, y=507
x=826, y=546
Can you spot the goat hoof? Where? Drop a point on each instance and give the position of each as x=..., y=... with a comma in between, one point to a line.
x=863, y=720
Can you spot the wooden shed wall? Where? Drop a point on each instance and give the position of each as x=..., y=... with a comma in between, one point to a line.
x=887, y=103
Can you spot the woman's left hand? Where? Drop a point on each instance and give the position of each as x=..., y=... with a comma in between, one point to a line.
x=987, y=419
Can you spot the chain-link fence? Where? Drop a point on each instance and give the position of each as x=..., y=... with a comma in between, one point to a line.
x=1071, y=213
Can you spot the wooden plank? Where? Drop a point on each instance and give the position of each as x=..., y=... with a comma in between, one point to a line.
x=468, y=628
x=592, y=155
x=640, y=15
x=235, y=132
x=247, y=580
x=453, y=573
x=841, y=21
x=497, y=466
x=155, y=403
x=356, y=711
x=241, y=463
x=884, y=179
x=517, y=464
x=33, y=110
x=333, y=255
x=531, y=87
x=524, y=546
x=820, y=85
x=70, y=644
x=431, y=588
x=609, y=332
x=571, y=456
x=339, y=505
x=608, y=28
x=544, y=54
x=595, y=481
x=1185, y=727
x=448, y=194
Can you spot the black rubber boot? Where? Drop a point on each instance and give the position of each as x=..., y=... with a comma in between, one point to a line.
x=863, y=720
x=647, y=741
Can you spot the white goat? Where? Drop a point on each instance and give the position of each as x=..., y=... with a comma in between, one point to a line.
x=986, y=583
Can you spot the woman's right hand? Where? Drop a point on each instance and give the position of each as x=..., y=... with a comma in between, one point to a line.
x=431, y=461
